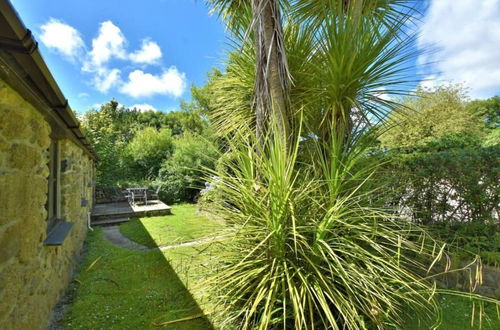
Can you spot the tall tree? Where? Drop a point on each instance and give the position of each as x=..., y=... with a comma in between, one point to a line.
x=271, y=68
x=323, y=60
x=261, y=21
x=432, y=114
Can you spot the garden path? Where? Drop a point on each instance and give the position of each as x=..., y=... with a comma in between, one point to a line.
x=113, y=235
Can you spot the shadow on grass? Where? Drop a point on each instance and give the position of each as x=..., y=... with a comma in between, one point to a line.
x=193, y=309
x=139, y=231
x=118, y=288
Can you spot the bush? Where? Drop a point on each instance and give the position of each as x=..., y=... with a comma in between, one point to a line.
x=182, y=173
x=470, y=238
x=447, y=180
x=148, y=149
x=176, y=188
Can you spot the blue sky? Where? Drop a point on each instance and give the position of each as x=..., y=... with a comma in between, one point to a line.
x=148, y=53
x=189, y=39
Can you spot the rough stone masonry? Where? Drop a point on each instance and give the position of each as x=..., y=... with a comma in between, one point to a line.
x=32, y=275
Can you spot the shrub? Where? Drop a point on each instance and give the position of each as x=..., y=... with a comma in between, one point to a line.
x=181, y=174
x=149, y=148
x=465, y=239
x=450, y=180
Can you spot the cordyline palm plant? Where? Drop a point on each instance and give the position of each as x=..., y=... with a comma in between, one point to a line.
x=261, y=19
x=333, y=57
x=312, y=249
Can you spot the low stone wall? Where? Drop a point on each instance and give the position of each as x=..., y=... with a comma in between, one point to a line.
x=467, y=280
x=33, y=276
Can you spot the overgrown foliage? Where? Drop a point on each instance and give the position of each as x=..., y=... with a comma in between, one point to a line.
x=181, y=175
x=148, y=149
x=134, y=146
x=443, y=165
x=315, y=248
x=432, y=114
x=446, y=185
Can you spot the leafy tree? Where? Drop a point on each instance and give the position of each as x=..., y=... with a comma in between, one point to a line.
x=203, y=97
x=188, y=118
x=149, y=148
x=488, y=109
x=182, y=173
x=150, y=119
x=109, y=129
x=430, y=115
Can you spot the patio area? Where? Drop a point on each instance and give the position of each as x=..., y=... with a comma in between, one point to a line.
x=116, y=212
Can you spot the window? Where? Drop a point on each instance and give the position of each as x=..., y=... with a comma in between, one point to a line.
x=53, y=197
x=57, y=229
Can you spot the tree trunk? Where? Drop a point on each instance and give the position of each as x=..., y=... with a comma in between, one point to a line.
x=272, y=76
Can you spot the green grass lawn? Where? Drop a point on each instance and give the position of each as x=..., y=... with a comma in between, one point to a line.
x=460, y=313
x=124, y=289
x=128, y=289
x=182, y=226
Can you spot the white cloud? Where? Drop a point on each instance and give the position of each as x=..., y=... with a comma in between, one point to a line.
x=62, y=38
x=105, y=79
x=381, y=93
x=83, y=95
x=149, y=53
x=170, y=82
x=465, y=35
x=110, y=42
x=143, y=107
x=431, y=82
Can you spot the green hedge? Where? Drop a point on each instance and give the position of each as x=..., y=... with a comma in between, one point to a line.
x=444, y=184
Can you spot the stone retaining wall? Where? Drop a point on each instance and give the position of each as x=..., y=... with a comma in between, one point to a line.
x=32, y=275
x=489, y=285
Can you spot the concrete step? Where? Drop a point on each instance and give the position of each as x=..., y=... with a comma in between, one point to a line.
x=109, y=221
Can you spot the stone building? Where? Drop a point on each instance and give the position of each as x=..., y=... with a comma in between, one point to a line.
x=46, y=181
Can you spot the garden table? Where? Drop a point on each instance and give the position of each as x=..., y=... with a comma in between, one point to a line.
x=138, y=192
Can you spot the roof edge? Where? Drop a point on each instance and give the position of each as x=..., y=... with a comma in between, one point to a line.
x=22, y=47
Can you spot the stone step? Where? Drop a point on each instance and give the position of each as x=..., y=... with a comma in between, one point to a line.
x=109, y=221
x=100, y=217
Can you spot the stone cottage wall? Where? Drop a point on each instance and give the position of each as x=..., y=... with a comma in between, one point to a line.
x=33, y=276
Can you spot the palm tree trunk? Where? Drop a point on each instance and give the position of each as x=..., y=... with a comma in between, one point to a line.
x=272, y=76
